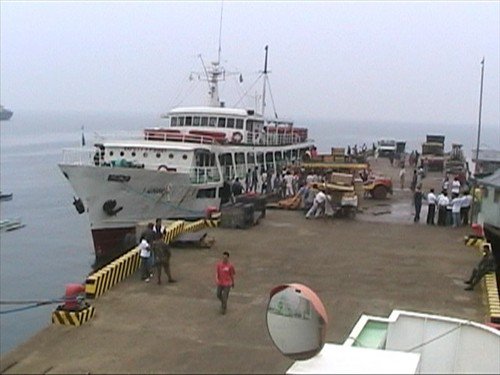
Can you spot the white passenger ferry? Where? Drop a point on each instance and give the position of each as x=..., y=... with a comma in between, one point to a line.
x=176, y=171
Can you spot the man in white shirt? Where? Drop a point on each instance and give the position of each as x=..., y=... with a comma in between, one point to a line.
x=442, y=202
x=464, y=210
x=145, y=253
x=456, y=205
x=318, y=205
x=455, y=186
x=289, y=184
x=431, y=201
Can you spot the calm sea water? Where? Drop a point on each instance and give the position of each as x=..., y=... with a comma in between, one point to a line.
x=55, y=246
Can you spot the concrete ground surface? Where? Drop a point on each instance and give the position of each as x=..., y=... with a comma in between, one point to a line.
x=372, y=264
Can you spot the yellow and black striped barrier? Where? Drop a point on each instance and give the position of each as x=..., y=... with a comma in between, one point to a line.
x=211, y=223
x=194, y=226
x=173, y=230
x=105, y=278
x=102, y=280
x=214, y=220
x=475, y=241
x=493, y=298
x=72, y=318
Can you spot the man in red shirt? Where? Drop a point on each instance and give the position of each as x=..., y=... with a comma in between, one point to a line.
x=224, y=277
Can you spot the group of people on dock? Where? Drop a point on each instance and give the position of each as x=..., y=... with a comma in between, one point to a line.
x=285, y=184
x=155, y=253
x=452, y=204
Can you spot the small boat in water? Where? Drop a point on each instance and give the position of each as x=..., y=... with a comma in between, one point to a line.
x=7, y=225
x=6, y=197
x=5, y=114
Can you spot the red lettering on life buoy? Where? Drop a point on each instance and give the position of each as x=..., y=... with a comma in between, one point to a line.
x=237, y=137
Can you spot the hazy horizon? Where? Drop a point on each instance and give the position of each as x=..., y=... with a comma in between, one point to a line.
x=397, y=62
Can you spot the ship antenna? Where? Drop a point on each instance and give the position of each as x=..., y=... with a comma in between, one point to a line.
x=266, y=80
x=264, y=84
x=220, y=31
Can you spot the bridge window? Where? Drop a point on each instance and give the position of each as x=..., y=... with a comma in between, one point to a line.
x=222, y=122
x=180, y=121
x=239, y=124
x=269, y=157
x=196, y=121
x=260, y=157
x=249, y=126
x=173, y=121
x=250, y=158
x=240, y=158
x=189, y=120
x=230, y=122
x=204, y=121
x=213, y=121
x=206, y=193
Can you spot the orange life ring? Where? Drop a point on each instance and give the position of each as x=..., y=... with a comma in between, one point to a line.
x=237, y=137
x=163, y=167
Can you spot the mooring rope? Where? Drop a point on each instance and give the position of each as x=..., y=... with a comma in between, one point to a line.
x=34, y=303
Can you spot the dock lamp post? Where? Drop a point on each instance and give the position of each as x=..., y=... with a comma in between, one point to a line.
x=475, y=206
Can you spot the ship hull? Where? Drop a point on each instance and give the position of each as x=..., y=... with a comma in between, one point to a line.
x=117, y=199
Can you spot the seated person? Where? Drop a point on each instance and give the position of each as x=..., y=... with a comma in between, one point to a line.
x=486, y=265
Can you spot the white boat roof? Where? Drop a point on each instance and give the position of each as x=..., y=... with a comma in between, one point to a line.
x=339, y=359
x=212, y=110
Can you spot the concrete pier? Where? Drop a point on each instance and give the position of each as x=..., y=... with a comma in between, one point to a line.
x=373, y=264
x=355, y=267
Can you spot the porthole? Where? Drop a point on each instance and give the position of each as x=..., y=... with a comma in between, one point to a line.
x=184, y=156
x=111, y=153
x=122, y=153
x=133, y=154
x=158, y=155
x=170, y=156
x=145, y=154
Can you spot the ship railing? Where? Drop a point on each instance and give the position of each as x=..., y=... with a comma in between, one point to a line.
x=78, y=156
x=280, y=139
x=118, y=135
x=152, y=135
x=204, y=175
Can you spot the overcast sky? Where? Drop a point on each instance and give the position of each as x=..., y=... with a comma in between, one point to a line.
x=377, y=61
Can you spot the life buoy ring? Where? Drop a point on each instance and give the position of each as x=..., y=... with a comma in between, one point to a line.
x=237, y=137
x=163, y=167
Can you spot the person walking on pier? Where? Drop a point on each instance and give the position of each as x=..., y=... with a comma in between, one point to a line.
x=224, y=278
x=145, y=254
x=417, y=200
x=402, y=174
x=161, y=252
x=431, y=209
